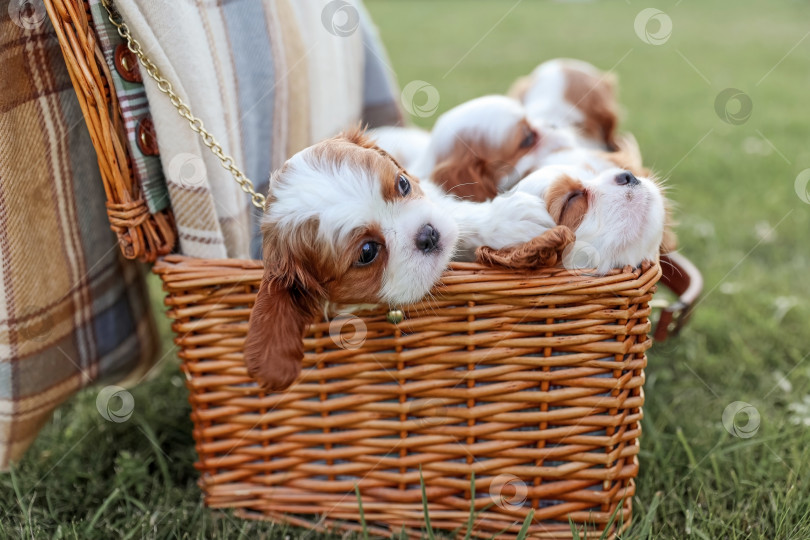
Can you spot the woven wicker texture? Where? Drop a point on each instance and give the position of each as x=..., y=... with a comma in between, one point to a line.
x=531, y=381
x=141, y=235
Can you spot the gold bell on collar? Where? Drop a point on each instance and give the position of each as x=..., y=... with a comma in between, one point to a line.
x=395, y=316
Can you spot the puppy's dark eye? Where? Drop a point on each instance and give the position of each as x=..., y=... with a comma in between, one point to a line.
x=529, y=139
x=368, y=252
x=573, y=196
x=403, y=185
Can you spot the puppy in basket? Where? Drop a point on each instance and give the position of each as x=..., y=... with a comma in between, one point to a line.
x=561, y=119
x=617, y=219
x=345, y=223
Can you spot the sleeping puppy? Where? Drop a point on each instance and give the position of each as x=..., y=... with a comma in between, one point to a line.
x=486, y=145
x=345, y=223
x=618, y=219
x=480, y=148
x=572, y=95
x=627, y=157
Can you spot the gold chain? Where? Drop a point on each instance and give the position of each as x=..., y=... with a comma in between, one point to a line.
x=183, y=109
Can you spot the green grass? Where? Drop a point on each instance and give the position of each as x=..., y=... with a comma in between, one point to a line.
x=88, y=478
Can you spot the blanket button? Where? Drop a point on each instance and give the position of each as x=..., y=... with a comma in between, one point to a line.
x=146, y=138
x=126, y=64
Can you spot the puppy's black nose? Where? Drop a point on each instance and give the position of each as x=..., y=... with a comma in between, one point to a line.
x=626, y=179
x=428, y=239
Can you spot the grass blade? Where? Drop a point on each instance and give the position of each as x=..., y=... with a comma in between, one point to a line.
x=425, y=505
x=646, y=525
x=160, y=456
x=688, y=449
x=525, y=529
x=362, y=512
x=498, y=535
x=471, y=518
x=107, y=502
x=604, y=534
x=574, y=531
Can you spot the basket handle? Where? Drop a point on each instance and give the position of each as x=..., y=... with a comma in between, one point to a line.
x=683, y=278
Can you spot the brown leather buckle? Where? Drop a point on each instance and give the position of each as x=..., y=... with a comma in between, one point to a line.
x=683, y=278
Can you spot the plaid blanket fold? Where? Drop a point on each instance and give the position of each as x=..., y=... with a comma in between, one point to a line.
x=268, y=77
x=72, y=311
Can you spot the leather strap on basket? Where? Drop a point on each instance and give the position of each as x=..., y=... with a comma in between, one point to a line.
x=685, y=280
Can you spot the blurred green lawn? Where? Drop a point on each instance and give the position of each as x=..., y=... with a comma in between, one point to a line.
x=741, y=220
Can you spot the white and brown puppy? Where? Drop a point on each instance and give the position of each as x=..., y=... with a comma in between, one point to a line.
x=345, y=223
x=480, y=148
x=618, y=218
x=573, y=95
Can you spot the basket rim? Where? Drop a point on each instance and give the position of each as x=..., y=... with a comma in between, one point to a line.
x=182, y=264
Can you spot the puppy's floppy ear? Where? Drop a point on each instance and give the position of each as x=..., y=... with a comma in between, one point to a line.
x=274, y=346
x=288, y=300
x=607, y=111
x=597, y=100
x=464, y=177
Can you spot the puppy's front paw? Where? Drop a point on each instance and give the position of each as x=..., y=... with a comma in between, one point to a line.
x=517, y=218
x=542, y=251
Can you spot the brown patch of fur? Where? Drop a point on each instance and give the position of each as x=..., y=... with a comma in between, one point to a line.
x=472, y=169
x=567, y=201
x=289, y=298
x=627, y=155
x=274, y=346
x=543, y=250
x=596, y=98
x=357, y=136
x=352, y=286
x=356, y=147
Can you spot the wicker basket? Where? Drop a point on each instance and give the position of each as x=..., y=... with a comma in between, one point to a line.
x=530, y=382
x=533, y=382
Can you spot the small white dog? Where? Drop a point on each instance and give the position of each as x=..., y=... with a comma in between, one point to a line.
x=480, y=148
x=618, y=218
x=573, y=95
